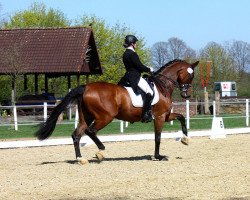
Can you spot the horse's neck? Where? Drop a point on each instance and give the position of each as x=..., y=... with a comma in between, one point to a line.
x=171, y=72
x=168, y=79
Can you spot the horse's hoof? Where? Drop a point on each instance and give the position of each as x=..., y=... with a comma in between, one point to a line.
x=185, y=140
x=160, y=158
x=99, y=155
x=82, y=161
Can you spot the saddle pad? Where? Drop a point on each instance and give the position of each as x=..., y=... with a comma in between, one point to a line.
x=137, y=99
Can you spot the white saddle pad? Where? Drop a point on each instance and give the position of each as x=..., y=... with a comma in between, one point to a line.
x=137, y=99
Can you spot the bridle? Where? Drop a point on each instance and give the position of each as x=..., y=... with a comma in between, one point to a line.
x=182, y=87
x=175, y=83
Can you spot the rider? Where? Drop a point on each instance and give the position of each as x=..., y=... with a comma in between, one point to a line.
x=134, y=68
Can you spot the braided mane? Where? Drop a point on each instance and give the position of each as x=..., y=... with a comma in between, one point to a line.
x=168, y=64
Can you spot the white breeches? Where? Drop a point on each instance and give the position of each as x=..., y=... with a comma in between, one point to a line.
x=144, y=86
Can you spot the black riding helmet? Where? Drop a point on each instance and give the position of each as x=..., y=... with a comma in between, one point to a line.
x=129, y=39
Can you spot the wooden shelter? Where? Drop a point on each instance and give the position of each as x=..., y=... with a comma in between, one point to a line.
x=51, y=51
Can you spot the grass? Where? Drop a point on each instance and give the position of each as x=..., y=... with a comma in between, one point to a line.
x=65, y=130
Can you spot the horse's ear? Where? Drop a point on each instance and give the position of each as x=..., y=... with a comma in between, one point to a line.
x=195, y=64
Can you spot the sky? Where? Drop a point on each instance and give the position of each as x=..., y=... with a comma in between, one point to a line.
x=196, y=22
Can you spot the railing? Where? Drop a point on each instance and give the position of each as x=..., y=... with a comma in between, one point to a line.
x=15, y=117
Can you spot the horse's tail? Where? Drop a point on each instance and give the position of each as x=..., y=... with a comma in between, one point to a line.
x=48, y=127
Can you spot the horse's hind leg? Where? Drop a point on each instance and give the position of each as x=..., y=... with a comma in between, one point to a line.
x=91, y=132
x=181, y=118
x=76, y=136
x=84, y=121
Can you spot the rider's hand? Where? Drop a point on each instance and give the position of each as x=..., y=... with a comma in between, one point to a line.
x=151, y=69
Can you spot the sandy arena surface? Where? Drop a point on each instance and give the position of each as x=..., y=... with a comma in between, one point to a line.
x=206, y=169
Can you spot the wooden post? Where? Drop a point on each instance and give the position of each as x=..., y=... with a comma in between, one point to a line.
x=69, y=82
x=206, y=101
x=78, y=79
x=13, y=90
x=46, y=85
x=217, y=100
x=70, y=106
x=25, y=84
x=36, y=84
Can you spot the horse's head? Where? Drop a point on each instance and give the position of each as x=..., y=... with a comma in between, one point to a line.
x=180, y=73
x=185, y=77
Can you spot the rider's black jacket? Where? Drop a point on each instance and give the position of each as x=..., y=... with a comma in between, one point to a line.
x=134, y=68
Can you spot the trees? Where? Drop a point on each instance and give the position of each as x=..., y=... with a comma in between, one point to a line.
x=109, y=41
x=229, y=63
x=37, y=16
x=221, y=68
x=11, y=57
x=239, y=53
x=159, y=54
x=178, y=49
x=174, y=48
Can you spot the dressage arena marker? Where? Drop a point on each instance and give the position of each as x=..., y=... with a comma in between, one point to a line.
x=217, y=130
x=85, y=141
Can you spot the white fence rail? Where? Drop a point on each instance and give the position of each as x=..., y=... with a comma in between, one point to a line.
x=15, y=121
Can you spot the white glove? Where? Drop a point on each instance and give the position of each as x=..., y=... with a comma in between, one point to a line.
x=151, y=69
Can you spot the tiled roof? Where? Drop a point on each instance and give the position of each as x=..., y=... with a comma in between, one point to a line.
x=51, y=51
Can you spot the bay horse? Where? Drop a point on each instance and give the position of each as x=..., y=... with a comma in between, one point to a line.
x=100, y=102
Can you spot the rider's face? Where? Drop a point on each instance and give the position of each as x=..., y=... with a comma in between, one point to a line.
x=134, y=45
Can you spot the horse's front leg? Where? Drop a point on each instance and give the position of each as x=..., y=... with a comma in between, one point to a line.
x=181, y=118
x=158, y=126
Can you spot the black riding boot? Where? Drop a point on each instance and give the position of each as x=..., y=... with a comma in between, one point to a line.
x=146, y=110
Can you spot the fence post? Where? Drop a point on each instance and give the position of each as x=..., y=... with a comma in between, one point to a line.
x=76, y=117
x=214, y=109
x=121, y=126
x=247, y=112
x=45, y=111
x=70, y=112
x=172, y=122
x=15, y=118
x=187, y=114
x=126, y=124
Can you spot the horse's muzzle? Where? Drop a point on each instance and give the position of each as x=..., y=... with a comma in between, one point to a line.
x=185, y=95
x=184, y=90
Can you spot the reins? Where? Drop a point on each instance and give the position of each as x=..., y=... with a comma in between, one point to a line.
x=164, y=86
x=175, y=83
